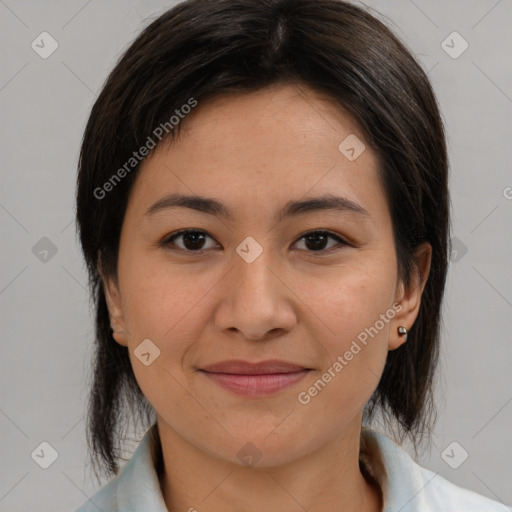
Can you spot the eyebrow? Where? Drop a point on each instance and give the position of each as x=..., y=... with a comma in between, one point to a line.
x=290, y=209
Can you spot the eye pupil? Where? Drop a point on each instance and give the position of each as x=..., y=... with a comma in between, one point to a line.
x=318, y=239
x=196, y=238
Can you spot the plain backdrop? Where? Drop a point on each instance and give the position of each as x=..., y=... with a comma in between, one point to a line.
x=47, y=328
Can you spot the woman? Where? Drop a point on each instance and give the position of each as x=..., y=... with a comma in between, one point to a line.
x=263, y=208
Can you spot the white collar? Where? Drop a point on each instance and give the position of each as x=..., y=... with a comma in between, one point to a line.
x=406, y=486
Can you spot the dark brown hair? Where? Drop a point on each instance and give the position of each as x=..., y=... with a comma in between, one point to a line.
x=205, y=48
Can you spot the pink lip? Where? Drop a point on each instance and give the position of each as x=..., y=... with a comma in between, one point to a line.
x=255, y=379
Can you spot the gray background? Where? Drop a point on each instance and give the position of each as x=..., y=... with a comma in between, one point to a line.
x=46, y=324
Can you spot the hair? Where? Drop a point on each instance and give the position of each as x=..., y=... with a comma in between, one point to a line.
x=203, y=49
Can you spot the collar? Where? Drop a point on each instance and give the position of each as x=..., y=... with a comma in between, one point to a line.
x=405, y=485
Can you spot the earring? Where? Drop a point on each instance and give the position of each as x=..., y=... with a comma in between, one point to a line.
x=402, y=331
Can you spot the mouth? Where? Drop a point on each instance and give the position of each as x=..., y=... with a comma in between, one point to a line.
x=255, y=379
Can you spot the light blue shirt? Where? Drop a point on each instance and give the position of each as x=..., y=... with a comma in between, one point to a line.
x=406, y=486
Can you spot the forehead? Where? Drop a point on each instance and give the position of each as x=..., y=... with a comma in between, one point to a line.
x=264, y=146
x=280, y=116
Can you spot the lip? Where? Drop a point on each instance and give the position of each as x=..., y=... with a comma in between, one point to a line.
x=241, y=367
x=255, y=379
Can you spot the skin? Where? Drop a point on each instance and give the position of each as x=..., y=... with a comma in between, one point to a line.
x=254, y=152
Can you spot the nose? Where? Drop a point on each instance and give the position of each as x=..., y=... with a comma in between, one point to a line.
x=256, y=301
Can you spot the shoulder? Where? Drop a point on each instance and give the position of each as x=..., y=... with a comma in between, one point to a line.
x=105, y=499
x=135, y=488
x=453, y=498
x=408, y=487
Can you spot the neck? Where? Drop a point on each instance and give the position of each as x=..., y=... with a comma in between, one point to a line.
x=328, y=479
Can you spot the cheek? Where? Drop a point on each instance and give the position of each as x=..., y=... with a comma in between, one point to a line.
x=353, y=310
x=162, y=301
x=353, y=361
x=163, y=306
x=348, y=298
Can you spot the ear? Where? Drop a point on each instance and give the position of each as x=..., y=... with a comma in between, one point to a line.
x=409, y=297
x=114, y=305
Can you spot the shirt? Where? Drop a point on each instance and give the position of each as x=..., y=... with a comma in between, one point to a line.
x=406, y=486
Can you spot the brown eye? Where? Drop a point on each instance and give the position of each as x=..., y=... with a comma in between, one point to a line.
x=191, y=240
x=195, y=241
x=316, y=241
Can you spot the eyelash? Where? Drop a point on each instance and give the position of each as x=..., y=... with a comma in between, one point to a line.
x=168, y=241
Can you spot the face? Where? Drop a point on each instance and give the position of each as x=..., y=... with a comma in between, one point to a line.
x=259, y=279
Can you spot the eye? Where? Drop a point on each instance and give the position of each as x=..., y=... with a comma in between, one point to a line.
x=316, y=240
x=193, y=240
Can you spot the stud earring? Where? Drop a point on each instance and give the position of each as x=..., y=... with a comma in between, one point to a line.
x=402, y=331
